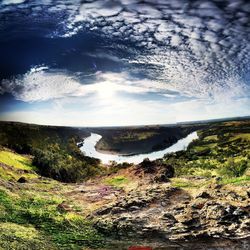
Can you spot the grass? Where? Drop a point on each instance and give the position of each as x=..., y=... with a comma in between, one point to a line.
x=211, y=138
x=30, y=217
x=236, y=181
x=244, y=136
x=16, y=166
x=222, y=150
x=204, y=147
x=14, y=236
x=15, y=160
x=117, y=181
x=44, y=223
x=188, y=183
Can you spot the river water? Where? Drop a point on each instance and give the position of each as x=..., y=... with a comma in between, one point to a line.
x=89, y=143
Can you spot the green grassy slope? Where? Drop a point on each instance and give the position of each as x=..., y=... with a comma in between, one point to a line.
x=31, y=216
x=222, y=150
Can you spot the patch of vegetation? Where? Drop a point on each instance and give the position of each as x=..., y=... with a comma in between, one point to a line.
x=236, y=180
x=45, y=225
x=23, y=137
x=117, y=181
x=16, y=160
x=14, y=236
x=188, y=183
x=234, y=169
x=14, y=166
x=66, y=166
x=134, y=136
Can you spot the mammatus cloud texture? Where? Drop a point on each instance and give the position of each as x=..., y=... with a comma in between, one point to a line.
x=175, y=48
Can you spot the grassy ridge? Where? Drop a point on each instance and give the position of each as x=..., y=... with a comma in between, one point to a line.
x=12, y=159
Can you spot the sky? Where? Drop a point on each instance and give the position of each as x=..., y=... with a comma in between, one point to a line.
x=123, y=62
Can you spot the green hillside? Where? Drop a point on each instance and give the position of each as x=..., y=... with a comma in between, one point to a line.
x=189, y=197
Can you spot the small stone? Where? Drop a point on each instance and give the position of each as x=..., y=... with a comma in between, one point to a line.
x=248, y=194
x=117, y=210
x=168, y=216
x=22, y=180
x=63, y=207
x=133, y=208
x=203, y=194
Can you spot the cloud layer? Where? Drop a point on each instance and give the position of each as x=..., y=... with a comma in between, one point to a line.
x=174, y=50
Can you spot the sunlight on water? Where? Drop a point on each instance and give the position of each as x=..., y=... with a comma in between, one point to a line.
x=89, y=149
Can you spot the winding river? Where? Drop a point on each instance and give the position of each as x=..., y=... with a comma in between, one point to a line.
x=89, y=149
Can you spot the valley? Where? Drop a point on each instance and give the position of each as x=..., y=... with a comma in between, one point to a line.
x=195, y=198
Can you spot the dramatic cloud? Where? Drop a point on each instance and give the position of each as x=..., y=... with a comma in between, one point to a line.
x=42, y=84
x=174, y=50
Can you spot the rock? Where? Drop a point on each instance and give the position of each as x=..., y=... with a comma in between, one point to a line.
x=117, y=210
x=169, y=171
x=198, y=203
x=218, y=178
x=212, y=211
x=169, y=217
x=134, y=208
x=203, y=194
x=161, y=178
x=234, y=196
x=147, y=166
x=150, y=167
x=103, y=211
x=188, y=220
x=214, y=186
x=239, y=212
x=248, y=194
x=245, y=226
x=63, y=207
x=22, y=180
x=161, y=211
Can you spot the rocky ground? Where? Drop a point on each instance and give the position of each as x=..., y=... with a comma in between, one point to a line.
x=165, y=213
x=156, y=212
